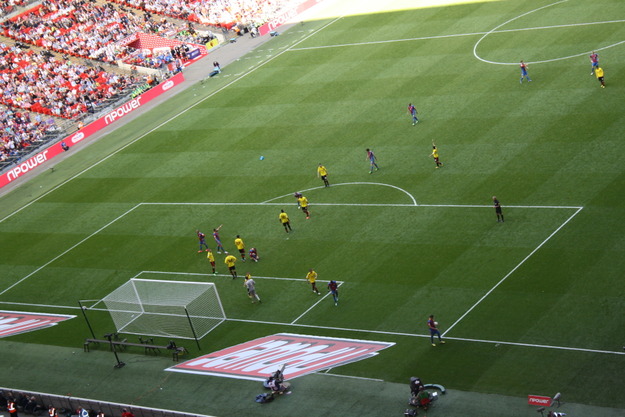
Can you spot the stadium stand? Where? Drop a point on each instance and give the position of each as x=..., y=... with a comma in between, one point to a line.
x=219, y=13
x=21, y=130
x=36, y=82
x=52, y=69
x=92, y=30
x=9, y=6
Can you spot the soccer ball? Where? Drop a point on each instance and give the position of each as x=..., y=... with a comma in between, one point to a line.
x=436, y=324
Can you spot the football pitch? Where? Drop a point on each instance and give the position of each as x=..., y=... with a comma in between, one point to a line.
x=532, y=305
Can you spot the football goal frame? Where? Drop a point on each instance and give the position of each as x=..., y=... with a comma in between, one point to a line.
x=165, y=308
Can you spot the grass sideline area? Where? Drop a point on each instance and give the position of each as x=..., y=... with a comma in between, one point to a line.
x=530, y=306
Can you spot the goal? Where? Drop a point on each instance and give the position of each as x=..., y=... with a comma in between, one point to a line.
x=179, y=309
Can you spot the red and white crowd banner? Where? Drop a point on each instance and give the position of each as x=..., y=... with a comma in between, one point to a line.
x=15, y=322
x=286, y=16
x=258, y=359
x=112, y=116
x=539, y=400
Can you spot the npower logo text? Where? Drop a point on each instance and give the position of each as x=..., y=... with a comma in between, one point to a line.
x=122, y=110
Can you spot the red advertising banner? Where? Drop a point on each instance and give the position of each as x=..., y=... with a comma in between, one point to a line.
x=258, y=359
x=14, y=322
x=112, y=116
x=539, y=400
x=286, y=16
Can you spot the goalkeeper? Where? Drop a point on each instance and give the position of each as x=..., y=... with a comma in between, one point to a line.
x=250, y=285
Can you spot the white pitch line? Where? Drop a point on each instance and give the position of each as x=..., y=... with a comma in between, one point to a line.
x=484, y=35
x=421, y=38
x=535, y=345
x=198, y=204
x=220, y=275
x=505, y=23
x=310, y=308
x=13, y=303
x=349, y=204
x=66, y=251
x=268, y=203
x=512, y=271
x=506, y=206
x=462, y=339
x=494, y=30
x=427, y=336
x=347, y=329
x=354, y=377
x=315, y=304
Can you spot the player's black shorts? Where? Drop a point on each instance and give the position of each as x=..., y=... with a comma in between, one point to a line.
x=498, y=210
x=231, y=268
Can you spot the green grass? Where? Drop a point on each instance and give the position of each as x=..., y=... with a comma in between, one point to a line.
x=552, y=317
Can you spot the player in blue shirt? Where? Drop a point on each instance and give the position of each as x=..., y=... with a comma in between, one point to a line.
x=372, y=158
x=333, y=287
x=202, y=238
x=433, y=326
x=220, y=247
x=412, y=110
x=524, y=74
x=594, y=61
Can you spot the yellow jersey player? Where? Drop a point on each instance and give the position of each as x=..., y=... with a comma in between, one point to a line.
x=322, y=173
x=599, y=74
x=434, y=155
x=230, y=262
x=238, y=242
x=302, y=203
x=284, y=219
x=311, y=277
x=211, y=259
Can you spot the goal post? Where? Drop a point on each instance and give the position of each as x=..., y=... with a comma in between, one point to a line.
x=178, y=309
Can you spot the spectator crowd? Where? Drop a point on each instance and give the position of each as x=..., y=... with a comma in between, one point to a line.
x=220, y=13
x=34, y=81
x=20, y=130
x=9, y=6
x=86, y=29
x=35, y=87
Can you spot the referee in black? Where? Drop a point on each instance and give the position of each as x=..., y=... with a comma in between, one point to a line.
x=498, y=210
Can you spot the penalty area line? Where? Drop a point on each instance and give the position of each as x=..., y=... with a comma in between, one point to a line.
x=506, y=206
x=315, y=304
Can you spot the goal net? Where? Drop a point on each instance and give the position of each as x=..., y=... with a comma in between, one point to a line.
x=180, y=309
